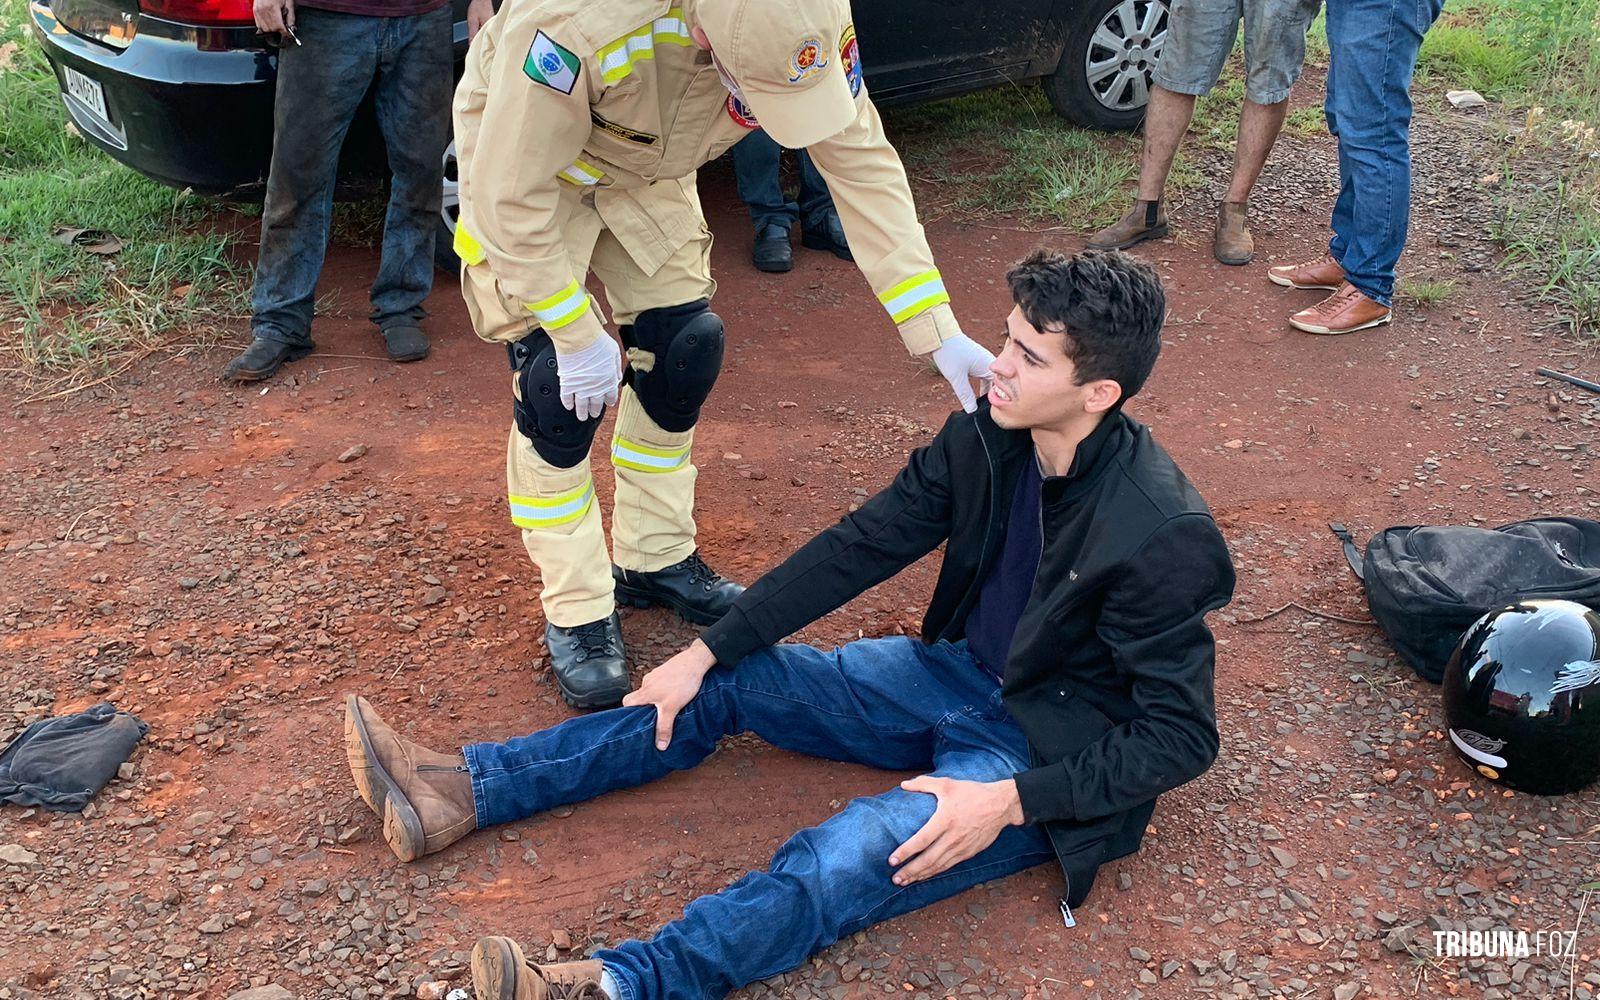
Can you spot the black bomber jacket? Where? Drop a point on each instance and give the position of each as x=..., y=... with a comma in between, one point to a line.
x=1110, y=669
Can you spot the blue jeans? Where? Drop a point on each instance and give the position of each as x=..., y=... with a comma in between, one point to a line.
x=1373, y=46
x=891, y=703
x=755, y=168
x=320, y=86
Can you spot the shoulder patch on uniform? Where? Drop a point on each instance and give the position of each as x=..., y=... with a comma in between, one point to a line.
x=850, y=58
x=741, y=114
x=809, y=57
x=622, y=131
x=552, y=64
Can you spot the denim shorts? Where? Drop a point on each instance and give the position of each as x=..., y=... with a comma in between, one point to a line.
x=1200, y=35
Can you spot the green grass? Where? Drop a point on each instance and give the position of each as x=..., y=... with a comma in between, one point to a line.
x=1049, y=171
x=69, y=314
x=1425, y=292
x=1539, y=62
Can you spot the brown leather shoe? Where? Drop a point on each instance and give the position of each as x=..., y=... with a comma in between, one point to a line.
x=1232, y=243
x=1345, y=311
x=1145, y=221
x=1324, y=273
x=501, y=972
x=425, y=798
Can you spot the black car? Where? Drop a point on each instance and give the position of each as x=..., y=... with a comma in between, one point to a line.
x=181, y=90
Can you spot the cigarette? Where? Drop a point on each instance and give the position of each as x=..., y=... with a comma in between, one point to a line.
x=292, y=36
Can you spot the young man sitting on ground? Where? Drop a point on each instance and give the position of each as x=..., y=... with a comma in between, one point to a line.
x=1063, y=679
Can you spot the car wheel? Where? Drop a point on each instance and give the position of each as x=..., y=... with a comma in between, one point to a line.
x=1103, y=80
x=444, y=254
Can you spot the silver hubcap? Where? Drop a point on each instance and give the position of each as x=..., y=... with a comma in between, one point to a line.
x=1123, y=53
x=450, y=204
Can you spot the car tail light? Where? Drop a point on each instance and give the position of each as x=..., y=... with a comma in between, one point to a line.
x=207, y=12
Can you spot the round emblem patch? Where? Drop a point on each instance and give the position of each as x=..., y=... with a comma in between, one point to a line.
x=741, y=114
x=808, y=58
x=850, y=58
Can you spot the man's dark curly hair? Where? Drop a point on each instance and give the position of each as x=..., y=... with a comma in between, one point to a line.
x=1108, y=305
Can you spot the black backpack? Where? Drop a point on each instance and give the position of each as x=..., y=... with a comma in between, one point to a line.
x=1425, y=585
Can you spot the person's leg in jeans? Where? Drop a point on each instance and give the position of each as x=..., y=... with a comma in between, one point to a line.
x=755, y=171
x=831, y=880
x=415, y=61
x=320, y=85
x=872, y=702
x=891, y=703
x=820, y=228
x=1373, y=46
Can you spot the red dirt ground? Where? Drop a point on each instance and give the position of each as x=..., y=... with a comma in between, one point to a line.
x=228, y=579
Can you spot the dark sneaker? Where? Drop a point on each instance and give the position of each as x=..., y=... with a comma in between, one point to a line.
x=829, y=236
x=1145, y=221
x=588, y=662
x=425, y=798
x=500, y=971
x=772, y=252
x=699, y=594
x=261, y=360
x=405, y=342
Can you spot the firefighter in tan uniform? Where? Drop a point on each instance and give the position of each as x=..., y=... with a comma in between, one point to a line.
x=579, y=125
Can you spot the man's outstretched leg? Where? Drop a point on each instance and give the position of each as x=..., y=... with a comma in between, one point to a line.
x=425, y=798
x=824, y=883
x=877, y=702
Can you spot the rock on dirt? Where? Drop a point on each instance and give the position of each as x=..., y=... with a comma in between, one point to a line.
x=273, y=992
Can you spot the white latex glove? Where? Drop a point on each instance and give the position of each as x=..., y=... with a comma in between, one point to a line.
x=590, y=377
x=960, y=360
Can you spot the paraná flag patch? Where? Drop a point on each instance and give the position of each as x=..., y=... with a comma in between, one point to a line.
x=551, y=64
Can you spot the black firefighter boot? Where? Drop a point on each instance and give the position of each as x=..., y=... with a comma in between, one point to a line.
x=699, y=594
x=588, y=662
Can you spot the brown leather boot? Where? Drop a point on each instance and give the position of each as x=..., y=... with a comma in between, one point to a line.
x=1324, y=273
x=500, y=971
x=425, y=798
x=1232, y=243
x=1345, y=311
x=1145, y=221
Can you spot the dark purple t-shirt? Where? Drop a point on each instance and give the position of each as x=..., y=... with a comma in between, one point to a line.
x=1005, y=592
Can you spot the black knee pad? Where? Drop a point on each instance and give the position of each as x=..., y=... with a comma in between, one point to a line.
x=558, y=436
x=687, y=342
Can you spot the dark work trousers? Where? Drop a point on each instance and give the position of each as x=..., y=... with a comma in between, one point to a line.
x=320, y=84
x=755, y=170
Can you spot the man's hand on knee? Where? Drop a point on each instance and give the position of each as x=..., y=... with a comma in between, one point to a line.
x=968, y=818
x=671, y=686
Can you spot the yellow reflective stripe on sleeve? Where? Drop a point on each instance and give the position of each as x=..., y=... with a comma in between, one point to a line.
x=914, y=295
x=561, y=308
x=617, y=58
x=548, y=512
x=580, y=172
x=467, y=248
x=644, y=458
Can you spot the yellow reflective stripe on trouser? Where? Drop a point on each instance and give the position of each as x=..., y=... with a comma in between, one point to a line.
x=466, y=247
x=617, y=58
x=561, y=308
x=580, y=173
x=548, y=512
x=644, y=458
x=914, y=295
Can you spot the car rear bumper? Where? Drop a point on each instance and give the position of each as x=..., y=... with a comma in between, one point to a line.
x=186, y=106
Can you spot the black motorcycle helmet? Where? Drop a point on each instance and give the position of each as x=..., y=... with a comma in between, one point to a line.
x=1522, y=696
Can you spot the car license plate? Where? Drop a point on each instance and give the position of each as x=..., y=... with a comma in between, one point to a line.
x=88, y=92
